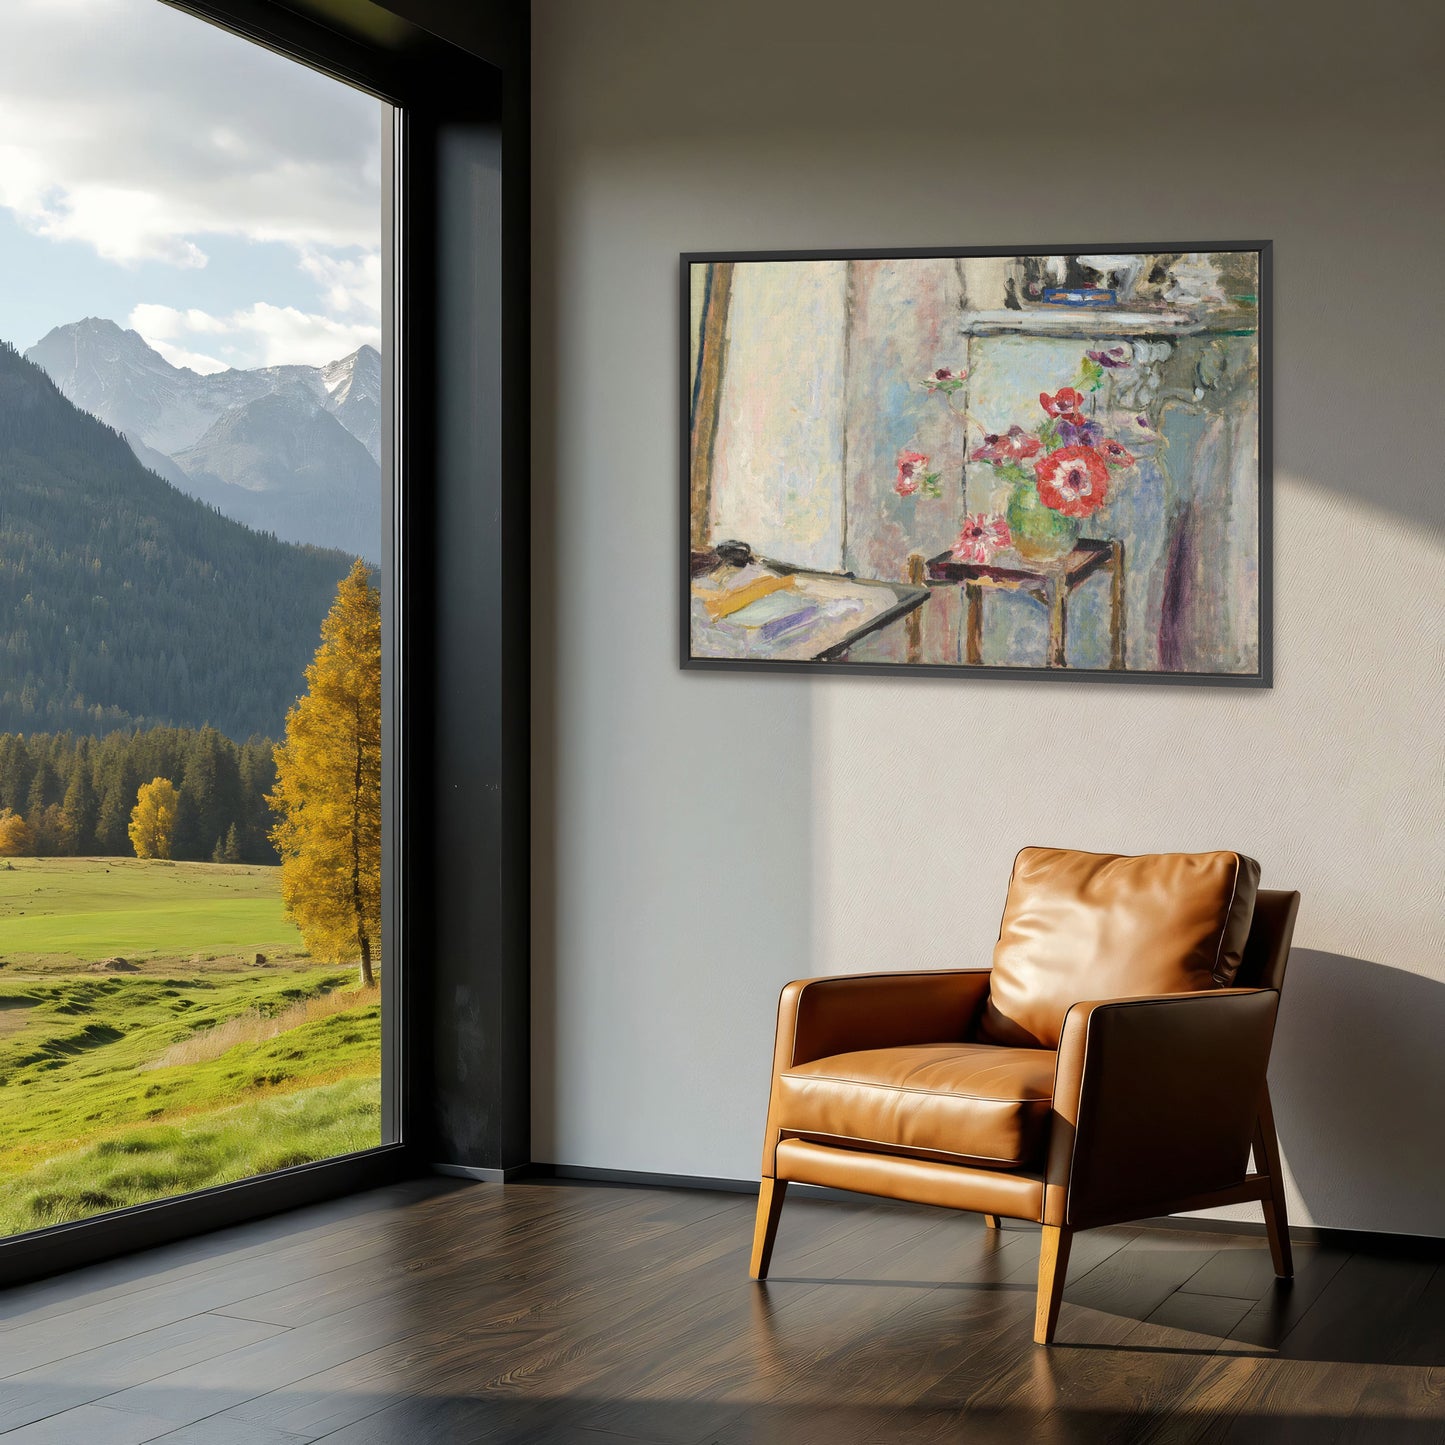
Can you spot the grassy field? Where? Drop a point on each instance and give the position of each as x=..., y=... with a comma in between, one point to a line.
x=77, y=910
x=196, y=1066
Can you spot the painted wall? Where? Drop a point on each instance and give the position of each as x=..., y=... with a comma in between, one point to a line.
x=702, y=839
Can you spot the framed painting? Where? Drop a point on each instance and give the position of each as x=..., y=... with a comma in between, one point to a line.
x=1048, y=463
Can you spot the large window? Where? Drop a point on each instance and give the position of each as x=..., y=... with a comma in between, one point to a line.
x=193, y=485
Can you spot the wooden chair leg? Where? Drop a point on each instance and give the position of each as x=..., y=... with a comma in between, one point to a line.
x=991, y=1221
x=1266, y=1160
x=1053, y=1266
x=765, y=1230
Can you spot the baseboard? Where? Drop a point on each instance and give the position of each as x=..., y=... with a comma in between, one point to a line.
x=485, y=1176
x=1363, y=1241
x=1360, y=1241
x=642, y=1179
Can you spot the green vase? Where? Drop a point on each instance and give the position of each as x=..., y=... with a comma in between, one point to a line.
x=1039, y=533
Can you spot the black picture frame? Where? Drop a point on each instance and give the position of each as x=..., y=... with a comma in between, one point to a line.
x=1262, y=678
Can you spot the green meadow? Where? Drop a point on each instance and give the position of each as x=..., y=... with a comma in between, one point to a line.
x=66, y=911
x=162, y=1030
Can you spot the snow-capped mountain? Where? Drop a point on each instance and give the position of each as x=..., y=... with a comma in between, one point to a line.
x=283, y=464
x=305, y=468
x=353, y=386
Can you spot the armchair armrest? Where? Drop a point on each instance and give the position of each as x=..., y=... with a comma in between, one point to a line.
x=1155, y=1101
x=819, y=1017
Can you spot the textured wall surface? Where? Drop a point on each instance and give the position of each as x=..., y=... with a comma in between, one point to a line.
x=701, y=839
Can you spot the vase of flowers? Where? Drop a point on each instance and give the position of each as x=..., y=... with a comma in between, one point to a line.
x=1056, y=475
x=1039, y=533
x=1059, y=473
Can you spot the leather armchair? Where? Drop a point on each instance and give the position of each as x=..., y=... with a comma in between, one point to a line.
x=1017, y=1091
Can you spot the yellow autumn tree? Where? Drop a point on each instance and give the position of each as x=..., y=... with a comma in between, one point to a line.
x=153, y=819
x=14, y=834
x=328, y=785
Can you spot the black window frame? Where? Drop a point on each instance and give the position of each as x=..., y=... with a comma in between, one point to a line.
x=455, y=1052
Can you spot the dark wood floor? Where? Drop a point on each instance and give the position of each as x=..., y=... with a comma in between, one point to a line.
x=439, y=1312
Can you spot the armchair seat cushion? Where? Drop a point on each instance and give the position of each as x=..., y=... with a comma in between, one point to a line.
x=956, y=1102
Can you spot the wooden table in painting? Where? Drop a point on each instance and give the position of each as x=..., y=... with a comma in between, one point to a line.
x=744, y=606
x=1048, y=583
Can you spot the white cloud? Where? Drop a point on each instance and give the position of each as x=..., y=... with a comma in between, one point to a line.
x=141, y=131
x=257, y=335
x=151, y=137
x=168, y=322
x=350, y=285
x=165, y=327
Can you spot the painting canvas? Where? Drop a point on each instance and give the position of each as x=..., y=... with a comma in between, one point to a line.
x=994, y=463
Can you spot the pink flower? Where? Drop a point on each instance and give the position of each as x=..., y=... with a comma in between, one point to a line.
x=1015, y=446
x=911, y=467
x=1116, y=454
x=1074, y=481
x=945, y=379
x=981, y=537
x=1065, y=402
x=1113, y=358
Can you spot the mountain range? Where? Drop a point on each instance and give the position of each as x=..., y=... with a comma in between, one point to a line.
x=125, y=602
x=292, y=450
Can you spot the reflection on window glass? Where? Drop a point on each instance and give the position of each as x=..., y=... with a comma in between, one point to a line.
x=190, y=627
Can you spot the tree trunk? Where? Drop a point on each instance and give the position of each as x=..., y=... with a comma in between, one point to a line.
x=368, y=979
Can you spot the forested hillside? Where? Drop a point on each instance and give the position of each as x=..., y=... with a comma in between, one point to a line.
x=75, y=794
x=125, y=603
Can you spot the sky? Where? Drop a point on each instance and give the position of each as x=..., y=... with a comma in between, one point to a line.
x=155, y=170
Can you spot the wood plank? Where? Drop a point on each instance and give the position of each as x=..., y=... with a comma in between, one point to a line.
x=661, y=1228
x=1285, y=1303
x=214, y=1384
x=895, y=1341
x=1203, y=1317
x=1332, y=1375
x=1347, y=1321
x=218, y=1430
x=90, y=1375
x=1244, y=1270
x=115, y=1319
x=445, y=1255
x=224, y=1250
x=1110, y=1370
x=93, y=1425
x=579, y=1313
x=565, y=1365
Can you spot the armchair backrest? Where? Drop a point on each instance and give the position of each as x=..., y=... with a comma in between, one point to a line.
x=1266, y=951
x=1087, y=926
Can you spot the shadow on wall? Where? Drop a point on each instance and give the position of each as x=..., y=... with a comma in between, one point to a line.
x=1357, y=315
x=1359, y=1102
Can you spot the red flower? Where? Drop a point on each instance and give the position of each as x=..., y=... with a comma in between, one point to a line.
x=1116, y=454
x=1074, y=481
x=981, y=537
x=1065, y=402
x=1016, y=446
x=912, y=473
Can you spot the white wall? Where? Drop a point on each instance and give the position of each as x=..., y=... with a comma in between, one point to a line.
x=703, y=838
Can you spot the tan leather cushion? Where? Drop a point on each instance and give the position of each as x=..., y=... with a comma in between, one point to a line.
x=1082, y=926
x=963, y=1102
